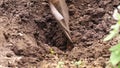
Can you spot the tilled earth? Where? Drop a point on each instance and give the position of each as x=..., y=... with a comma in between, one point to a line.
x=31, y=38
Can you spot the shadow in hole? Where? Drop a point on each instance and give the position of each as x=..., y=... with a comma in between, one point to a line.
x=53, y=33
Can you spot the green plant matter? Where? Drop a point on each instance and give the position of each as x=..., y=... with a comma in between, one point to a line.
x=115, y=50
x=78, y=64
x=52, y=51
x=115, y=28
x=60, y=64
x=115, y=54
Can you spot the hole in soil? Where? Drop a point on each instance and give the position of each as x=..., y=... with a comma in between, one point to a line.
x=53, y=34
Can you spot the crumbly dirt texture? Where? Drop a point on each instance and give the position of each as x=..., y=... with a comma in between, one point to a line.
x=31, y=38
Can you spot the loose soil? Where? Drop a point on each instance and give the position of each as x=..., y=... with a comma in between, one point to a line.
x=31, y=38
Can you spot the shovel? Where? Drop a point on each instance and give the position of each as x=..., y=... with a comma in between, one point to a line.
x=60, y=10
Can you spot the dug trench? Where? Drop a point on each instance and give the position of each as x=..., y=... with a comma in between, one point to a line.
x=30, y=36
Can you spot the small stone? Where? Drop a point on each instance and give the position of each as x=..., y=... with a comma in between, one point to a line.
x=9, y=54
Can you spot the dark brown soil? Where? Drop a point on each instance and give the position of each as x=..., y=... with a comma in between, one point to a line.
x=31, y=38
